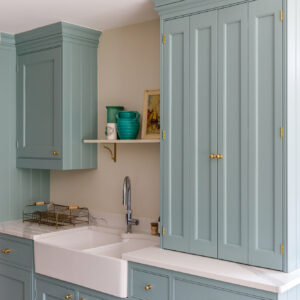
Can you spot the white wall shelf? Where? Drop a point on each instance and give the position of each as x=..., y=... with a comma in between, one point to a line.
x=137, y=141
x=113, y=152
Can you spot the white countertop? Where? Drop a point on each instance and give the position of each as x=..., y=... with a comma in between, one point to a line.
x=28, y=230
x=252, y=277
x=234, y=273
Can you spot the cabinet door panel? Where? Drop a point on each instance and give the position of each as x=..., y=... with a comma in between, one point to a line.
x=39, y=104
x=175, y=154
x=233, y=133
x=265, y=173
x=15, y=283
x=203, y=126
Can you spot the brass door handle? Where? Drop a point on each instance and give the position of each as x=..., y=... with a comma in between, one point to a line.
x=6, y=251
x=55, y=153
x=148, y=287
x=220, y=156
x=69, y=296
x=213, y=156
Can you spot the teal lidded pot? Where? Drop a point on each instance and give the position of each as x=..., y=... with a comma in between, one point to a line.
x=111, y=113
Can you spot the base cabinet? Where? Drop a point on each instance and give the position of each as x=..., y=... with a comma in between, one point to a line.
x=15, y=283
x=150, y=283
x=47, y=291
x=52, y=289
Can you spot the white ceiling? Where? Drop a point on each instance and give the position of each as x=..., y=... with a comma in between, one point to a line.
x=21, y=15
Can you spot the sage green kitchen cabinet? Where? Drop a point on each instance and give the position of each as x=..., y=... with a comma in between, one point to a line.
x=57, y=97
x=16, y=268
x=230, y=162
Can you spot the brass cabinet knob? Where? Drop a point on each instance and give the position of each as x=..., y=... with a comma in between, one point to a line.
x=148, y=287
x=69, y=296
x=213, y=156
x=55, y=153
x=220, y=156
x=6, y=251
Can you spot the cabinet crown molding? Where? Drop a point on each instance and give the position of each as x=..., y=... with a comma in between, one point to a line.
x=7, y=39
x=54, y=35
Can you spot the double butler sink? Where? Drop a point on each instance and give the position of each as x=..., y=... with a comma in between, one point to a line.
x=89, y=257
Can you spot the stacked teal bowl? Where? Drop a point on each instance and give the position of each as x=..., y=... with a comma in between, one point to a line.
x=128, y=124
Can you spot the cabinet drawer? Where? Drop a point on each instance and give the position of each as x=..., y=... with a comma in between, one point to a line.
x=16, y=251
x=47, y=290
x=83, y=296
x=149, y=286
x=192, y=291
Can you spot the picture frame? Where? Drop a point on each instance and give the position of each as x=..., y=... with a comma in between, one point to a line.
x=151, y=115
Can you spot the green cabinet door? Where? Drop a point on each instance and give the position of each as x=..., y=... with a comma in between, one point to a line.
x=265, y=143
x=39, y=105
x=203, y=133
x=233, y=133
x=15, y=283
x=175, y=148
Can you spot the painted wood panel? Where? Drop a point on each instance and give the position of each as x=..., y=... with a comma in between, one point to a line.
x=233, y=133
x=15, y=284
x=291, y=134
x=80, y=106
x=265, y=109
x=203, y=132
x=18, y=187
x=191, y=291
x=175, y=169
x=39, y=105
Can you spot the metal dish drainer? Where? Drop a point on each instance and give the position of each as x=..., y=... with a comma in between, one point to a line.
x=55, y=214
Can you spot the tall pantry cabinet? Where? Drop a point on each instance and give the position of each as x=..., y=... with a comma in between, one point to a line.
x=230, y=169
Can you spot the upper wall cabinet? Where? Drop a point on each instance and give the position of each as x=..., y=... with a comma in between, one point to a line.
x=57, y=97
x=230, y=163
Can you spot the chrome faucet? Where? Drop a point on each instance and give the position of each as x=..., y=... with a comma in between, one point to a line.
x=127, y=202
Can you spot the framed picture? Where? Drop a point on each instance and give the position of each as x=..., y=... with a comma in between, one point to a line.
x=151, y=115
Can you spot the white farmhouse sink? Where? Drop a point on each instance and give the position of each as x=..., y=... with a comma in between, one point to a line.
x=90, y=257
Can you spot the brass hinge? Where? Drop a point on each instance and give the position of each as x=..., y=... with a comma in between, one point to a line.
x=163, y=230
x=281, y=249
x=164, y=38
x=281, y=132
x=164, y=135
x=281, y=16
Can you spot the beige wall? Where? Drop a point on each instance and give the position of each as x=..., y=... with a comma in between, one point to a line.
x=128, y=65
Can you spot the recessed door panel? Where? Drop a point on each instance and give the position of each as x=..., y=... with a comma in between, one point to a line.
x=233, y=133
x=265, y=164
x=39, y=105
x=203, y=126
x=175, y=154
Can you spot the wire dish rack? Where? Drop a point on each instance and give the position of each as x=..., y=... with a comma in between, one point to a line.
x=55, y=214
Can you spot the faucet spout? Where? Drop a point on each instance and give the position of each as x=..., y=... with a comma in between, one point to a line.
x=127, y=202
